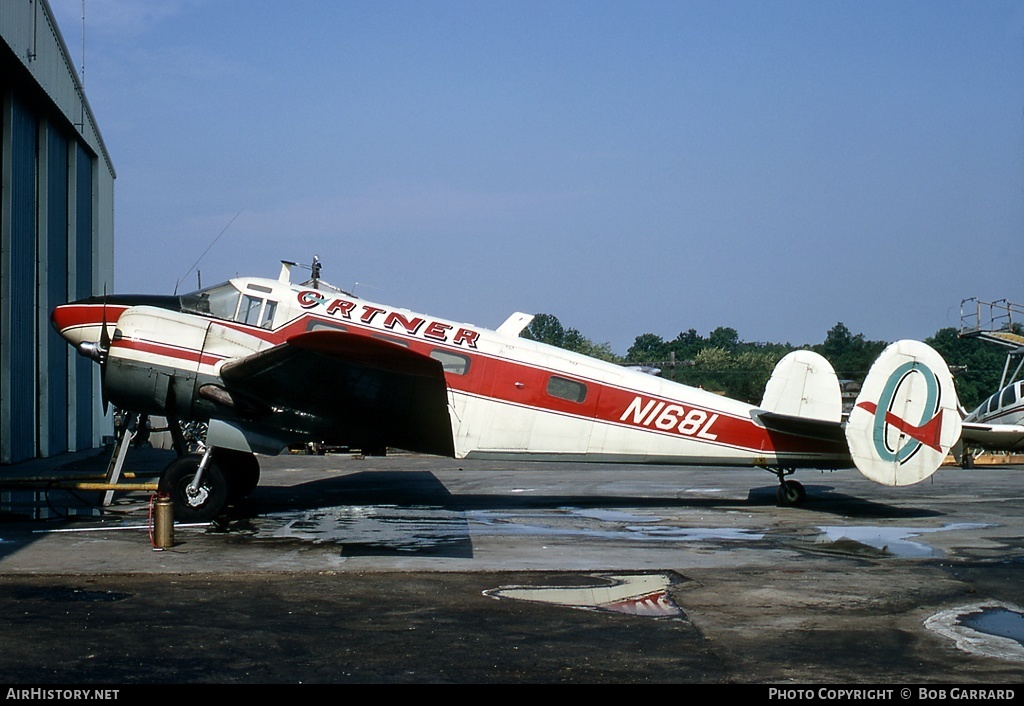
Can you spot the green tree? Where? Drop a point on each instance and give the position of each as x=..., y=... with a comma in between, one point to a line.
x=851, y=355
x=977, y=365
x=687, y=345
x=725, y=338
x=545, y=328
x=646, y=348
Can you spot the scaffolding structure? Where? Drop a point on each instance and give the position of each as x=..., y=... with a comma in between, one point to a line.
x=1000, y=322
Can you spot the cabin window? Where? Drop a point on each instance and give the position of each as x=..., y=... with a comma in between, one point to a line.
x=249, y=310
x=389, y=339
x=567, y=389
x=318, y=325
x=1009, y=395
x=452, y=363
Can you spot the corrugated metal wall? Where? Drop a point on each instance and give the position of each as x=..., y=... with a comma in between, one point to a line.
x=84, y=368
x=21, y=290
x=55, y=271
x=56, y=222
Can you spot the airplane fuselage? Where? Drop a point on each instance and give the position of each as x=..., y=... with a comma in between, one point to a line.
x=1004, y=409
x=506, y=396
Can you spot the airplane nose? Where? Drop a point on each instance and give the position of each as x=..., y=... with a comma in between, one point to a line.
x=62, y=319
x=80, y=322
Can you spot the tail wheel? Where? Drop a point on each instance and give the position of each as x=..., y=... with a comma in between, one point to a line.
x=790, y=493
x=206, y=501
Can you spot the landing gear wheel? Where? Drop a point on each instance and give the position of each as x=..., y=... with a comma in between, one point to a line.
x=790, y=493
x=241, y=470
x=206, y=502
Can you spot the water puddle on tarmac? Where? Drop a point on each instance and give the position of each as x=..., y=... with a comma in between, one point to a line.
x=419, y=529
x=399, y=529
x=893, y=541
x=992, y=629
x=644, y=595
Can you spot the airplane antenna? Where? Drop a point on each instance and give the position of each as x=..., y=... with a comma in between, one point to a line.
x=315, y=269
x=206, y=251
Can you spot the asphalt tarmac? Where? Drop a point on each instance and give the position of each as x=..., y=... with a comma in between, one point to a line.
x=412, y=569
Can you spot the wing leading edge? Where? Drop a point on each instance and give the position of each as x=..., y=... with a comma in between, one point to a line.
x=348, y=389
x=994, y=437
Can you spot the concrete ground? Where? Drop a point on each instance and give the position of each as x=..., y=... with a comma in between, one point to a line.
x=411, y=569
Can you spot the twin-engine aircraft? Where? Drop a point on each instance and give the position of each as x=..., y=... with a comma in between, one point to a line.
x=998, y=423
x=269, y=364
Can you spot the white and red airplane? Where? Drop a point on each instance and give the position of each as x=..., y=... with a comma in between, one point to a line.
x=270, y=364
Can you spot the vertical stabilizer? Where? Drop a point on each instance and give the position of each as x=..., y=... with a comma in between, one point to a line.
x=906, y=417
x=804, y=385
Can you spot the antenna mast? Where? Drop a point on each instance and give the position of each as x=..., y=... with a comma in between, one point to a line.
x=83, y=45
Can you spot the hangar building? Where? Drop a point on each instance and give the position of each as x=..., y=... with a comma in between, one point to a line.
x=57, y=227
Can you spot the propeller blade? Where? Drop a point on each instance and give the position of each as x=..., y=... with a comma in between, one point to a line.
x=104, y=351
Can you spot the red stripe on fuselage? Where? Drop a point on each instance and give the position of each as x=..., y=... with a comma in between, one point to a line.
x=182, y=355
x=511, y=382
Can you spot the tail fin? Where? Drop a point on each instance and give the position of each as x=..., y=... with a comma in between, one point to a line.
x=804, y=385
x=906, y=417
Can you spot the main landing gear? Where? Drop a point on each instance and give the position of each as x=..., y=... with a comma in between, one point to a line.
x=202, y=481
x=196, y=486
x=202, y=485
x=790, y=493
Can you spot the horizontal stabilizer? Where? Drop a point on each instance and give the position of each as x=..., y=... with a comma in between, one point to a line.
x=817, y=429
x=906, y=417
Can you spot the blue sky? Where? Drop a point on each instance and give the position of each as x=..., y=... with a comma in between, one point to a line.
x=630, y=167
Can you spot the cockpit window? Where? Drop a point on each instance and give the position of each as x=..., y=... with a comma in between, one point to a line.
x=249, y=312
x=256, y=311
x=220, y=301
x=225, y=302
x=267, y=320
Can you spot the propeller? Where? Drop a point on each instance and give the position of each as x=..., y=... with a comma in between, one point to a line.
x=104, y=350
x=98, y=351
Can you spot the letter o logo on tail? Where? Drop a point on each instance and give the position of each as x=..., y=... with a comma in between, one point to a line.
x=905, y=419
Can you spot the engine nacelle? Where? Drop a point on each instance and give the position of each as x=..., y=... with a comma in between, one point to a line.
x=159, y=360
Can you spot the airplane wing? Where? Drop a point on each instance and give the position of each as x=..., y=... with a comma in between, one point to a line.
x=348, y=389
x=993, y=437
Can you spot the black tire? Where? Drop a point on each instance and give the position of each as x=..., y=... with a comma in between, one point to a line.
x=790, y=493
x=241, y=470
x=213, y=489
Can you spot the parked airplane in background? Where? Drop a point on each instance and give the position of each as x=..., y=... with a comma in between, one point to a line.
x=998, y=422
x=270, y=364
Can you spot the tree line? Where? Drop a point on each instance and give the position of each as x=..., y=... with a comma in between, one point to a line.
x=723, y=363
